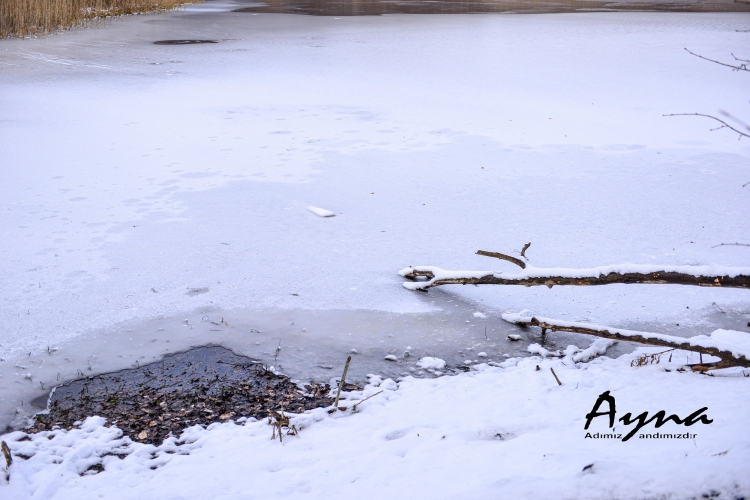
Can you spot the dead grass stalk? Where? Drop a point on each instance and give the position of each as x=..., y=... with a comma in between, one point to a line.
x=22, y=18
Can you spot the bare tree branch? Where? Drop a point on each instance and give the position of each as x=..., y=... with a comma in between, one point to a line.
x=741, y=67
x=502, y=256
x=723, y=123
x=728, y=359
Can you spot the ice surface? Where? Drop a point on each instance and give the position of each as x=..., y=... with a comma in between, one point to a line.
x=148, y=184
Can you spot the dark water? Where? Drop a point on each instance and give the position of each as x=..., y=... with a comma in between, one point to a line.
x=379, y=7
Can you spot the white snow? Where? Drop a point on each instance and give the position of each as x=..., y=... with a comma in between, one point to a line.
x=514, y=336
x=597, y=348
x=182, y=192
x=431, y=363
x=541, y=351
x=480, y=315
x=321, y=212
x=390, y=357
x=496, y=432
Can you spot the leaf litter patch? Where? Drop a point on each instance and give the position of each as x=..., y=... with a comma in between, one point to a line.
x=200, y=386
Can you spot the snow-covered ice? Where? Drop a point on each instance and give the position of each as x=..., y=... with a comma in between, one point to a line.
x=156, y=197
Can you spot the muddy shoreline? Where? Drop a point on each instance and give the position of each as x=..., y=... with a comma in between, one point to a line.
x=199, y=386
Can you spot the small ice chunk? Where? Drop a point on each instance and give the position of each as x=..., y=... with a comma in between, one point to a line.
x=513, y=336
x=429, y=363
x=480, y=315
x=467, y=362
x=321, y=212
x=391, y=357
x=481, y=354
x=354, y=351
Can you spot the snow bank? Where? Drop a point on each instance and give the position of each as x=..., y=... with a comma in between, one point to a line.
x=493, y=432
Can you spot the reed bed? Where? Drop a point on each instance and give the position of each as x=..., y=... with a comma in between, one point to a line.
x=21, y=18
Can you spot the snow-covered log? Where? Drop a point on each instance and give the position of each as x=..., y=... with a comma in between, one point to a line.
x=708, y=275
x=731, y=347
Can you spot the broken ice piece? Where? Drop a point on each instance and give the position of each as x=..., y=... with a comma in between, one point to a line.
x=481, y=354
x=321, y=212
x=391, y=357
x=513, y=336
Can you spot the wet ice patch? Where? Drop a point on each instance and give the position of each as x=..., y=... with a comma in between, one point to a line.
x=321, y=212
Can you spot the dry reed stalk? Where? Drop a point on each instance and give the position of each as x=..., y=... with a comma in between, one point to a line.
x=22, y=18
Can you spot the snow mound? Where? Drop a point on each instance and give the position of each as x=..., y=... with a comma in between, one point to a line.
x=541, y=351
x=597, y=348
x=480, y=315
x=321, y=212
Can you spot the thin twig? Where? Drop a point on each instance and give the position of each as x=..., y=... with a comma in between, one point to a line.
x=741, y=67
x=732, y=244
x=555, y=374
x=502, y=256
x=723, y=123
x=354, y=408
x=341, y=382
x=523, y=250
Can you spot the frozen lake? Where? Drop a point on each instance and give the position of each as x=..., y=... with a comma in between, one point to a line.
x=145, y=184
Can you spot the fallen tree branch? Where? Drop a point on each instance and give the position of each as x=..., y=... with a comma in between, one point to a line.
x=730, y=355
x=715, y=276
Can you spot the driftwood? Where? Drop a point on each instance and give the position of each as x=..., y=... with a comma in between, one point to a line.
x=655, y=278
x=728, y=359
